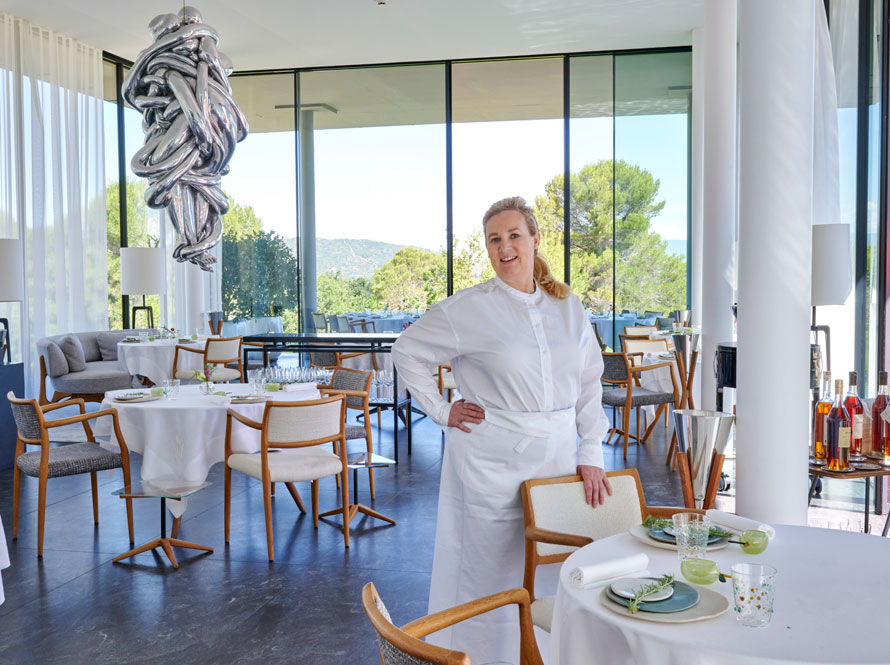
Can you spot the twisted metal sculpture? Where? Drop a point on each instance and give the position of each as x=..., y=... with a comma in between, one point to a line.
x=191, y=124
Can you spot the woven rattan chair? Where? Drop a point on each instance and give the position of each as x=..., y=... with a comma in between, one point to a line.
x=297, y=430
x=628, y=394
x=55, y=461
x=218, y=351
x=355, y=386
x=404, y=646
x=558, y=520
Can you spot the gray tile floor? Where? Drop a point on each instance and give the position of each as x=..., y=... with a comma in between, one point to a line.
x=75, y=606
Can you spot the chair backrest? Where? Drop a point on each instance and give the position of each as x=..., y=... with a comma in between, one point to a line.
x=28, y=418
x=650, y=313
x=622, y=337
x=645, y=346
x=357, y=325
x=615, y=367
x=342, y=323
x=398, y=647
x=307, y=423
x=640, y=330
x=599, y=339
x=352, y=379
x=370, y=326
x=319, y=322
x=664, y=323
x=222, y=350
x=324, y=359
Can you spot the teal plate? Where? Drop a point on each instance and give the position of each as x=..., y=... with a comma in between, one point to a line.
x=657, y=533
x=684, y=597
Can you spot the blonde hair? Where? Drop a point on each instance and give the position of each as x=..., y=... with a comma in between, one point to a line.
x=542, y=275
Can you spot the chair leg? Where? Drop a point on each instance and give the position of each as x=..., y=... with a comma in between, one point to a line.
x=638, y=425
x=273, y=489
x=41, y=512
x=267, y=504
x=625, y=422
x=370, y=446
x=130, y=519
x=296, y=496
x=16, y=499
x=95, y=488
x=314, y=494
x=227, y=502
x=344, y=489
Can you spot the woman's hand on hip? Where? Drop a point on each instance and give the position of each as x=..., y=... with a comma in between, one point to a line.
x=464, y=412
x=596, y=484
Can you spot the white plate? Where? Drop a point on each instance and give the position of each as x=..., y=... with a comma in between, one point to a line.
x=641, y=533
x=627, y=587
x=135, y=400
x=711, y=604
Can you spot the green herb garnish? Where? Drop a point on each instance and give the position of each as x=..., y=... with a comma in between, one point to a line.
x=647, y=590
x=662, y=522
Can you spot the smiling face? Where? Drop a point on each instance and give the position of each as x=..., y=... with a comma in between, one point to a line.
x=511, y=249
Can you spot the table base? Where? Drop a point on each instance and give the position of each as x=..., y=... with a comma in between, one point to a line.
x=164, y=542
x=355, y=508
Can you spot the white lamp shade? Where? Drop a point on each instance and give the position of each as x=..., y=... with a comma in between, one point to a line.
x=832, y=272
x=142, y=271
x=12, y=274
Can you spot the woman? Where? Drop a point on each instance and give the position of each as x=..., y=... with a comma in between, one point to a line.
x=528, y=369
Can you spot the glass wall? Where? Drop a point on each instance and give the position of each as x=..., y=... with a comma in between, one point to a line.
x=259, y=264
x=507, y=141
x=374, y=189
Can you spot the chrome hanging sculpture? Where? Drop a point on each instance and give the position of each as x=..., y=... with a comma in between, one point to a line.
x=191, y=124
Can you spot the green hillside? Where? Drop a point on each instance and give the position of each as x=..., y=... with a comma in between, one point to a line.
x=352, y=257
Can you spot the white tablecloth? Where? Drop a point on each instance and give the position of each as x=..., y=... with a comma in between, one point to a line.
x=181, y=439
x=4, y=559
x=155, y=359
x=830, y=594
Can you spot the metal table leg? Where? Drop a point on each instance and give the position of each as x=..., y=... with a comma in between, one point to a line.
x=867, y=498
x=812, y=489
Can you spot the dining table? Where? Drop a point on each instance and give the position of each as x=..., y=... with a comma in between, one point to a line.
x=830, y=591
x=181, y=439
x=154, y=360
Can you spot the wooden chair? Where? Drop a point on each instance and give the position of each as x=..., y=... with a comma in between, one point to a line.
x=445, y=381
x=599, y=339
x=404, y=646
x=635, y=348
x=64, y=460
x=558, y=520
x=640, y=330
x=342, y=323
x=319, y=322
x=664, y=323
x=355, y=386
x=303, y=427
x=628, y=394
x=623, y=337
x=219, y=352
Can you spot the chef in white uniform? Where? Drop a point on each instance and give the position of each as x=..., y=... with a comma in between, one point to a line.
x=528, y=369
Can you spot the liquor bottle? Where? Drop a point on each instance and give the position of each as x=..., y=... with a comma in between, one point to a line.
x=838, y=431
x=823, y=406
x=854, y=409
x=880, y=428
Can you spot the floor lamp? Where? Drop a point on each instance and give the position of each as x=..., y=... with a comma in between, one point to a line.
x=142, y=272
x=12, y=288
x=832, y=276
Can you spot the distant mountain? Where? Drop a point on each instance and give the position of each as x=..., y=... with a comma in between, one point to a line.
x=677, y=247
x=352, y=257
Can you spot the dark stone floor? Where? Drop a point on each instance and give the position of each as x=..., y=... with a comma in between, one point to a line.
x=232, y=606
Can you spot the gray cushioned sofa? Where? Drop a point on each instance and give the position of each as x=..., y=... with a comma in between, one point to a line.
x=82, y=364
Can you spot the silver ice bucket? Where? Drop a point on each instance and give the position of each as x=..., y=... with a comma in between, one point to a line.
x=684, y=345
x=682, y=316
x=702, y=433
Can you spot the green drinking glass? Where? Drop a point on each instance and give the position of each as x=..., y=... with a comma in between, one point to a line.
x=754, y=541
x=700, y=571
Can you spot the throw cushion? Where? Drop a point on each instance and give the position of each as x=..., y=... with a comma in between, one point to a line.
x=108, y=343
x=73, y=351
x=58, y=364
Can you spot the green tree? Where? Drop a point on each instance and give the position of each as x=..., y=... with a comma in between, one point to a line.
x=646, y=275
x=411, y=280
x=337, y=295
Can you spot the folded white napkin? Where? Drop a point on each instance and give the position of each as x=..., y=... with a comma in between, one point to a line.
x=738, y=524
x=609, y=571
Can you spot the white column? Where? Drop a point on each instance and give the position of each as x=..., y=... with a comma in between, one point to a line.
x=775, y=216
x=307, y=216
x=698, y=136
x=718, y=186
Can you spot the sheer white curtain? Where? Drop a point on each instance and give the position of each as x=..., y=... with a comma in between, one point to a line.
x=53, y=183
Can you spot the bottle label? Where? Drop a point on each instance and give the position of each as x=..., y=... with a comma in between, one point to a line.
x=857, y=426
x=843, y=437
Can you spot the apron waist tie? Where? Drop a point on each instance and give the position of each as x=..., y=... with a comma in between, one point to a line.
x=531, y=424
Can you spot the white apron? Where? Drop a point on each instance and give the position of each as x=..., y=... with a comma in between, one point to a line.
x=480, y=546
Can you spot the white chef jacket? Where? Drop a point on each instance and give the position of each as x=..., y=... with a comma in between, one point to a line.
x=512, y=351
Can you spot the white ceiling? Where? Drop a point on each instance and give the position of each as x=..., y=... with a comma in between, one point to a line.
x=266, y=34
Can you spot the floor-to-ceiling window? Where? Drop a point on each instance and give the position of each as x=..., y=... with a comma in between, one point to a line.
x=373, y=190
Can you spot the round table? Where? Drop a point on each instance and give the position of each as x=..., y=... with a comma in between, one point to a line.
x=154, y=360
x=181, y=439
x=831, y=589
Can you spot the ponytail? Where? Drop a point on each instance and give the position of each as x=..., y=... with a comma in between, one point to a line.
x=545, y=279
